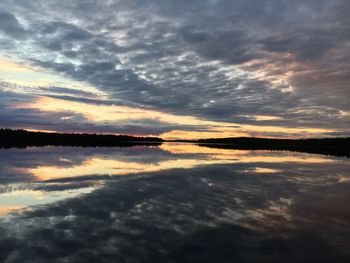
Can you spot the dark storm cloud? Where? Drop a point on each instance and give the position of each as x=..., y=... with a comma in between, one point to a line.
x=63, y=90
x=200, y=58
x=10, y=88
x=10, y=26
x=24, y=117
x=227, y=46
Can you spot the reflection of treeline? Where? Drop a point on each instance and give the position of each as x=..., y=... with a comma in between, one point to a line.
x=329, y=146
x=22, y=138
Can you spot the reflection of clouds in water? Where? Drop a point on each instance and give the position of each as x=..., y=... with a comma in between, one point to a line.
x=65, y=170
x=251, y=206
x=17, y=199
x=179, y=215
x=14, y=163
x=104, y=165
x=58, y=162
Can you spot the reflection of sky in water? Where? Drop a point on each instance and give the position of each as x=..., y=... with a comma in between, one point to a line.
x=20, y=199
x=175, y=203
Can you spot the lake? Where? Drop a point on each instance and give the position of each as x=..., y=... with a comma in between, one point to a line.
x=172, y=203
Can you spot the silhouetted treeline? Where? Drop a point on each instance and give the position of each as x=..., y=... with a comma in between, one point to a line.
x=328, y=146
x=22, y=138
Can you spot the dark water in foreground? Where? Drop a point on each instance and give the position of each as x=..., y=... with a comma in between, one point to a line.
x=173, y=203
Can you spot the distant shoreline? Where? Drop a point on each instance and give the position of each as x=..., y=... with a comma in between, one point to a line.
x=326, y=146
x=21, y=139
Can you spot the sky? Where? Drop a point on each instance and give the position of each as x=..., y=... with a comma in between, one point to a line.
x=176, y=68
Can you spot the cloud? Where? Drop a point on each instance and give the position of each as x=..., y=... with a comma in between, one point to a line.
x=216, y=60
x=10, y=26
x=14, y=115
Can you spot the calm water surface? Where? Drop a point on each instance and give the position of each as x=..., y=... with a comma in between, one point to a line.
x=172, y=203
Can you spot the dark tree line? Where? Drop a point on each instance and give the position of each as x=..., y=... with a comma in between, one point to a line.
x=328, y=146
x=22, y=138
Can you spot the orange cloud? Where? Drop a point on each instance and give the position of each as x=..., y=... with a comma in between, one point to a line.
x=7, y=65
x=120, y=114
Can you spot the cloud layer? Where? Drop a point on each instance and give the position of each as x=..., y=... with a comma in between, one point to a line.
x=214, y=60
